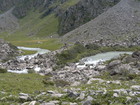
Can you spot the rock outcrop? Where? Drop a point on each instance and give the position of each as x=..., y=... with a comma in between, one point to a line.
x=7, y=51
x=5, y=5
x=83, y=12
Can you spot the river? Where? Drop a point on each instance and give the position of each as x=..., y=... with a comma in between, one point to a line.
x=87, y=60
x=101, y=57
x=39, y=51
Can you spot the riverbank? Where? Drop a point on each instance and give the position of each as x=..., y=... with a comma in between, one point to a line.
x=74, y=53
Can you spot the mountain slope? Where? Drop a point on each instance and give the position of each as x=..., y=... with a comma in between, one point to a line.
x=8, y=22
x=119, y=23
x=32, y=22
x=83, y=12
x=35, y=14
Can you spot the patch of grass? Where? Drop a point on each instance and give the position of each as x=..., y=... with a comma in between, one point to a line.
x=33, y=25
x=26, y=52
x=35, y=42
x=69, y=3
x=50, y=44
x=16, y=83
x=34, y=32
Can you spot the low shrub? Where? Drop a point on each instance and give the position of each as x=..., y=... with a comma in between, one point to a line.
x=3, y=70
x=31, y=71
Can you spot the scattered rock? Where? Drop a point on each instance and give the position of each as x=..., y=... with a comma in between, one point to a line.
x=57, y=95
x=113, y=64
x=73, y=104
x=33, y=103
x=136, y=87
x=95, y=79
x=137, y=103
x=82, y=96
x=48, y=103
x=90, y=98
x=24, y=97
x=88, y=102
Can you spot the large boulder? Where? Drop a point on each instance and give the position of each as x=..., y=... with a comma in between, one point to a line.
x=7, y=50
x=136, y=54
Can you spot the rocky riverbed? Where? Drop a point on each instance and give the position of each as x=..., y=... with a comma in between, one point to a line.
x=76, y=72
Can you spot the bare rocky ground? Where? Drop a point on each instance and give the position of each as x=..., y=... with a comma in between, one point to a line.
x=119, y=23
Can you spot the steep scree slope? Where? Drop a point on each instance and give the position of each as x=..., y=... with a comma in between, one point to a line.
x=83, y=12
x=8, y=22
x=119, y=23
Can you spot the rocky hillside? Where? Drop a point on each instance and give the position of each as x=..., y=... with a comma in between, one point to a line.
x=46, y=6
x=5, y=5
x=65, y=15
x=83, y=12
x=8, y=22
x=31, y=17
x=119, y=23
x=7, y=51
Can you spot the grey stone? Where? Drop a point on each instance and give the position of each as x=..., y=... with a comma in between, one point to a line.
x=48, y=103
x=136, y=87
x=33, y=103
x=57, y=95
x=137, y=103
x=24, y=97
x=90, y=98
x=88, y=102
x=113, y=64
x=82, y=96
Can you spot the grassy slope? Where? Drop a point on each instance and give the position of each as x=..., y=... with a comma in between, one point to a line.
x=15, y=83
x=34, y=31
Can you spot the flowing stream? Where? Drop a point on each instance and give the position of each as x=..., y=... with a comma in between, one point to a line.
x=101, y=57
x=39, y=51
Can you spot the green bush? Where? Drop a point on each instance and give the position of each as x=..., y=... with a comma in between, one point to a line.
x=31, y=71
x=92, y=46
x=70, y=54
x=3, y=70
